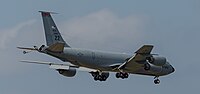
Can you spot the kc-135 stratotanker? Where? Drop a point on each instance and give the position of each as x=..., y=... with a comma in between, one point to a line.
x=97, y=63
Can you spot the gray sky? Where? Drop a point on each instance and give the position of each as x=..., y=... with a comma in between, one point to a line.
x=172, y=26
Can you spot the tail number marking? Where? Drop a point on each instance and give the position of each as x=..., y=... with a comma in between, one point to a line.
x=57, y=38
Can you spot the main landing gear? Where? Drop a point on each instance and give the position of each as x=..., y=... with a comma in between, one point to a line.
x=156, y=80
x=122, y=75
x=101, y=76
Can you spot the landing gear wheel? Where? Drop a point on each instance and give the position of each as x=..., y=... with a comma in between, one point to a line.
x=117, y=75
x=122, y=75
x=126, y=75
x=99, y=76
x=95, y=78
x=147, y=66
x=156, y=81
x=103, y=78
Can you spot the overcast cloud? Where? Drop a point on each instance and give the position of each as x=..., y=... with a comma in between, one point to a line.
x=103, y=28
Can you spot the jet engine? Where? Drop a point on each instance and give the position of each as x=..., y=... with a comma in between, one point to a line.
x=156, y=69
x=68, y=73
x=158, y=61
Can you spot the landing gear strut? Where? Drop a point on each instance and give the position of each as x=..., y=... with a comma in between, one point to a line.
x=156, y=80
x=100, y=76
x=122, y=75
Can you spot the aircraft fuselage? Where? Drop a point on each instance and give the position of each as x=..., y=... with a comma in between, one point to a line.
x=105, y=61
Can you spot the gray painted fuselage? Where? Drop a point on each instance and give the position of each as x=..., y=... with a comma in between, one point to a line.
x=105, y=61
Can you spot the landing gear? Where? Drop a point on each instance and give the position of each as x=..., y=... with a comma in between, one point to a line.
x=122, y=75
x=156, y=81
x=100, y=76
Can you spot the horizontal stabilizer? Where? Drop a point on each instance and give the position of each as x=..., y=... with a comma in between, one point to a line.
x=24, y=48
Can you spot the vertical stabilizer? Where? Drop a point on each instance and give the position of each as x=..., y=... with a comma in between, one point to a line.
x=52, y=33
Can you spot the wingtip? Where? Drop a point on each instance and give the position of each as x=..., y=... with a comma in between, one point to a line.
x=145, y=49
x=148, y=45
x=48, y=12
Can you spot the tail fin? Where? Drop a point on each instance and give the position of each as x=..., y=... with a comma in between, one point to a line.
x=51, y=31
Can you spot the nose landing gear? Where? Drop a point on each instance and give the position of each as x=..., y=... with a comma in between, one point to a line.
x=156, y=80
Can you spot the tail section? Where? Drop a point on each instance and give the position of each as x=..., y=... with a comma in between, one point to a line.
x=57, y=47
x=52, y=33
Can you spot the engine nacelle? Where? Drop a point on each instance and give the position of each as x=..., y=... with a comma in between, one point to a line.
x=158, y=61
x=155, y=69
x=68, y=73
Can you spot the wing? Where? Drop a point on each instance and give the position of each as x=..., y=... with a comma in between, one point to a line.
x=59, y=66
x=142, y=53
x=137, y=61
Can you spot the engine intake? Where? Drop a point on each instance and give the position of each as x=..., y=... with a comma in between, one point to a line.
x=68, y=73
x=158, y=61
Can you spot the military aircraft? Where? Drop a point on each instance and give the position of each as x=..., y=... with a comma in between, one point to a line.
x=97, y=63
